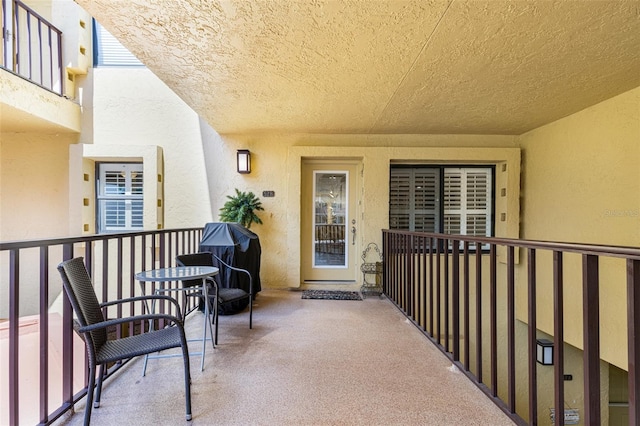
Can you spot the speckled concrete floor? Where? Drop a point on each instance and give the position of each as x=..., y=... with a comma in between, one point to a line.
x=306, y=362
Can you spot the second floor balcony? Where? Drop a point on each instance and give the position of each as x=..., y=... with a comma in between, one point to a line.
x=31, y=67
x=336, y=361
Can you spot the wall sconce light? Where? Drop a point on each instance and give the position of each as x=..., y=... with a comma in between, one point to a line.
x=544, y=352
x=244, y=161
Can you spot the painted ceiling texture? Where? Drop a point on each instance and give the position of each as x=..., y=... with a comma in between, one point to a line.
x=382, y=66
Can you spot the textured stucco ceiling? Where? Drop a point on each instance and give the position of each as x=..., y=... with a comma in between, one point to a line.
x=382, y=66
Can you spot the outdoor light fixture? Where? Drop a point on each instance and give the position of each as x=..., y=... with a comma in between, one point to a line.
x=244, y=161
x=544, y=353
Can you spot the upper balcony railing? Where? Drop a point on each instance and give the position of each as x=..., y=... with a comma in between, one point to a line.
x=31, y=46
x=44, y=370
x=480, y=301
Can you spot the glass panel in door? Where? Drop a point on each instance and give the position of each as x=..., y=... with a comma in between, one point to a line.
x=330, y=194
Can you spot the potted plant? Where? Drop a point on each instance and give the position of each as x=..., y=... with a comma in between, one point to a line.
x=241, y=208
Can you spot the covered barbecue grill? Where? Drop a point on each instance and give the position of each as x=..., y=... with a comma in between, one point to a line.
x=239, y=247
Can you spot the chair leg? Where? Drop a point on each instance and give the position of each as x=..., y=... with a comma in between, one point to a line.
x=215, y=318
x=92, y=381
x=210, y=321
x=187, y=378
x=144, y=365
x=251, y=312
x=96, y=403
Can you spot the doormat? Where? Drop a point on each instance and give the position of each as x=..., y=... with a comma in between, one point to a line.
x=331, y=295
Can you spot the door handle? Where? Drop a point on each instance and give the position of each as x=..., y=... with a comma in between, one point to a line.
x=353, y=233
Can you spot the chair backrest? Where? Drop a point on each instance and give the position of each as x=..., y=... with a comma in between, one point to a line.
x=79, y=289
x=194, y=259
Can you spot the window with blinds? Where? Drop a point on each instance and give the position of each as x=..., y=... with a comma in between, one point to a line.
x=413, y=199
x=108, y=51
x=120, y=197
x=452, y=200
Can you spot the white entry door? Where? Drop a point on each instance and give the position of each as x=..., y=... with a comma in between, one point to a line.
x=329, y=225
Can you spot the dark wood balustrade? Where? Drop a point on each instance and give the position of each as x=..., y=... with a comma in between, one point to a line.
x=462, y=295
x=32, y=47
x=28, y=270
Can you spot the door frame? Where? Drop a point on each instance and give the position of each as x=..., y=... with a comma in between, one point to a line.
x=330, y=164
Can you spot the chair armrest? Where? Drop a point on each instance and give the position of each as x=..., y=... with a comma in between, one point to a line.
x=116, y=321
x=154, y=297
x=226, y=265
x=141, y=298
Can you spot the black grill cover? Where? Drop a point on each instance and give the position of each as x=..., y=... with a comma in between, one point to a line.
x=238, y=247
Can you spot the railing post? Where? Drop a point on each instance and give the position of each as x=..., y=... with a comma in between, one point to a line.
x=533, y=375
x=44, y=333
x=431, y=284
x=411, y=278
x=455, y=299
x=511, y=330
x=493, y=323
x=119, y=281
x=424, y=282
x=479, y=312
x=14, y=347
x=447, y=331
x=633, y=319
x=466, y=306
x=438, y=335
x=591, y=320
x=558, y=338
x=67, y=339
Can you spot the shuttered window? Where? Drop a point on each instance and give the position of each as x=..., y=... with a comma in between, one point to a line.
x=467, y=201
x=120, y=197
x=451, y=200
x=108, y=51
x=414, y=199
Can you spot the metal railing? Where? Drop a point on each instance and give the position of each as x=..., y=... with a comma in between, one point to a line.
x=462, y=294
x=35, y=302
x=31, y=46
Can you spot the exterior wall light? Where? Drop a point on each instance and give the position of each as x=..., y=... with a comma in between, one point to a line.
x=544, y=352
x=244, y=161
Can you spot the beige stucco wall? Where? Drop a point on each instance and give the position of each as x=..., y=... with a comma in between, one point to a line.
x=133, y=111
x=34, y=202
x=34, y=185
x=276, y=165
x=581, y=183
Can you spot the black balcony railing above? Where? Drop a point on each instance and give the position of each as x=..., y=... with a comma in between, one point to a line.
x=31, y=46
x=463, y=293
x=37, y=321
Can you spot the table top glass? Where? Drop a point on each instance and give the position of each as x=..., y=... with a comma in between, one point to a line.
x=176, y=274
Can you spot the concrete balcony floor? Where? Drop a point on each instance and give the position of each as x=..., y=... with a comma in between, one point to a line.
x=306, y=362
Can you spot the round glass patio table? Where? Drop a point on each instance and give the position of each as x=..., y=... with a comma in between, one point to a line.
x=182, y=274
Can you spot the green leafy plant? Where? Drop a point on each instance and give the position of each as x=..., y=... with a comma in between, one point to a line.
x=241, y=208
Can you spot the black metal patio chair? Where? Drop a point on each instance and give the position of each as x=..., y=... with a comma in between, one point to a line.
x=93, y=326
x=223, y=295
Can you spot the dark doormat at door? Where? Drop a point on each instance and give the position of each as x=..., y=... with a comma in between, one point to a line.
x=331, y=295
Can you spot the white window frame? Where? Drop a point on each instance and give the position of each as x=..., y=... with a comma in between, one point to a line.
x=129, y=194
